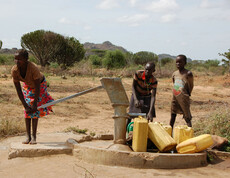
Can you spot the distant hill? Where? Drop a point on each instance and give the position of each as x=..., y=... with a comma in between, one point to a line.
x=104, y=46
x=8, y=51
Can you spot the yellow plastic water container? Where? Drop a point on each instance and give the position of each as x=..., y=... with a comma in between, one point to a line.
x=167, y=128
x=140, y=134
x=182, y=133
x=158, y=135
x=195, y=144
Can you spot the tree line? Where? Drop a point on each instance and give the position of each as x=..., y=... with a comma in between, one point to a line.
x=50, y=47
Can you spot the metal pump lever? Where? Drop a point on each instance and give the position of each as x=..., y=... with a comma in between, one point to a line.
x=69, y=97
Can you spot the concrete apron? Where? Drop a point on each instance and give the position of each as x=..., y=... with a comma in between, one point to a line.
x=95, y=153
x=101, y=150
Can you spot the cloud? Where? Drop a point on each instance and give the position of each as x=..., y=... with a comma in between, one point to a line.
x=168, y=18
x=87, y=27
x=63, y=20
x=108, y=4
x=134, y=20
x=66, y=21
x=210, y=4
x=207, y=4
x=163, y=6
x=133, y=2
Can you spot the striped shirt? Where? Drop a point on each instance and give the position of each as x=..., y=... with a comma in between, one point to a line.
x=144, y=87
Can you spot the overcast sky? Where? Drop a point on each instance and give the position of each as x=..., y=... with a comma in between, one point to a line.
x=199, y=29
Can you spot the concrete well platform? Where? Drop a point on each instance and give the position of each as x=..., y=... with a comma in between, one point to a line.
x=100, y=152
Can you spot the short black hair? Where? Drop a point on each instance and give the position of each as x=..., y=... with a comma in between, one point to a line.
x=152, y=64
x=23, y=52
x=182, y=56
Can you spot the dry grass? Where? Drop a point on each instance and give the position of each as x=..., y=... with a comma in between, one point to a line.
x=94, y=111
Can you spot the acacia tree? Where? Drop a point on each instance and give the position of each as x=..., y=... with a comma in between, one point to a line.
x=48, y=47
x=0, y=44
x=227, y=62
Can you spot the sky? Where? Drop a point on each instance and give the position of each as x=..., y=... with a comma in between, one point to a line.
x=200, y=29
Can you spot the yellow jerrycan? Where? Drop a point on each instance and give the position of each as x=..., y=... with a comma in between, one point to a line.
x=140, y=134
x=167, y=128
x=182, y=133
x=160, y=137
x=195, y=144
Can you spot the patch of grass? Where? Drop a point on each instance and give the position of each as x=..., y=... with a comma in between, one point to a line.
x=9, y=127
x=92, y=134
x=76, y=130
x=217, y=123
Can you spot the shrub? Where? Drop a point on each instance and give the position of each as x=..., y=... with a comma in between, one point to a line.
x=218, y=123
x=10, y=127
x=143, y=57
x=95, y=60
x=6, y=59
x=114, y=59
x=166, y=60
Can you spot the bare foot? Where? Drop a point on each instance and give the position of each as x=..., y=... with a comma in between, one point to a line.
x=27, y=141
x=33, y=141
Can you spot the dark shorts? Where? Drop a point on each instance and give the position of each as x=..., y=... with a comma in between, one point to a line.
x=181, y=105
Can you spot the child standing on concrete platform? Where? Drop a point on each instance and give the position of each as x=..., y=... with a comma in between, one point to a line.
x=32, y=94
x=182, y=89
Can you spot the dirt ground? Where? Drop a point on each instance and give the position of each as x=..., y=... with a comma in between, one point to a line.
x=94, y=112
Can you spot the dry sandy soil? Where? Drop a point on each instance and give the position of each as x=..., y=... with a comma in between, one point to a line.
x=94, y=112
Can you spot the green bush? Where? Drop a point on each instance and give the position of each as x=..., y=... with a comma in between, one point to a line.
x=95, y=60
x=6, y=59
x=54, y=65
x=218, y=123
x=33, y=59
x=114, y=59
x=166, y=60
x=143, y=57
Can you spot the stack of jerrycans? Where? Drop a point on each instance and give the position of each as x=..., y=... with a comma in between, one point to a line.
x=142, y=130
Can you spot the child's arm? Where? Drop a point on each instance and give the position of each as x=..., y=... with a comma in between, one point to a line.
x=136, y=101
x=190, y=81
x=152, y=104
x=20, y=96
x=37, y=92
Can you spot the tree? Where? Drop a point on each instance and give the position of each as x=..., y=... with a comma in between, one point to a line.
x=42, y=44
x=114, y=59
x=0, y=44
x=143, y=57
x=166, y=60
x=227, y=62
x=48, y=47
x=71, y=51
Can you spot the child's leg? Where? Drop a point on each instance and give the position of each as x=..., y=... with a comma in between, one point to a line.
x=34, y=128
x=172, y=120
x=28, y=131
